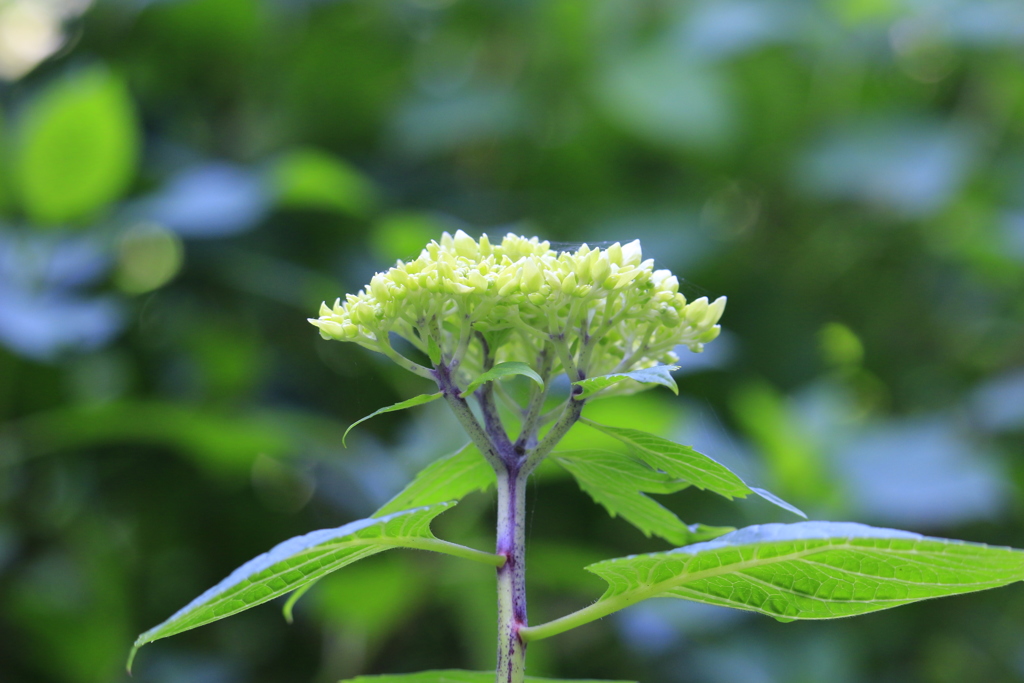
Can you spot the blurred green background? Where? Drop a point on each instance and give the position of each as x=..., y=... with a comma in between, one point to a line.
x=183, y=181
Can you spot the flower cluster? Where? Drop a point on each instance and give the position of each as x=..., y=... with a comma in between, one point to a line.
x=599, y=310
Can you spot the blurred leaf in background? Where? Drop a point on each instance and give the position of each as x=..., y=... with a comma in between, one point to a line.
x=77, y=149
x=182, y=183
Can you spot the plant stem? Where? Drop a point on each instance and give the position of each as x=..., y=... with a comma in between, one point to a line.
x=511, y=540
x=531, y=420
x=512, y=465
x=442, y=375
x=569, y=416
x=599, y=609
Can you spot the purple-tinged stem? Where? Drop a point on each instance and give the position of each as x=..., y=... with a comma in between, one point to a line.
x=512, y=464
x=465, y=416
x=511, y=576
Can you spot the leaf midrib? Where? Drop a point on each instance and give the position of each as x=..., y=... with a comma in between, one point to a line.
x=376, y=545
x=607, y=603
x=620, y=434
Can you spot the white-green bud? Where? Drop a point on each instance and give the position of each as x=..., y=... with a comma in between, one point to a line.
x=715, y=310
x=568, y=283
x=631, y=253
x=532, y=277
x=696, y=311
x=465, y=245
x=600, y=269
x=459, y=285
x=615, y=254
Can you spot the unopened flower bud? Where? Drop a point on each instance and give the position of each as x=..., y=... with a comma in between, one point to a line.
x=600, y=270
x=625, y=278
x=568, y=284
x=477, y=280
x=614, y=253
x=510, y=285
x=631, y=253
x=465, y=245
x=695, y=311
x=710, y=334
x=715, y=311
x=329, y=329
x=532, y=278
x=379, y=287
x=458, y=285
x=399, y=276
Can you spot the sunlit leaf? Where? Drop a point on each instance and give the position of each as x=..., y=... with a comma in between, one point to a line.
x=500, y=371
x=456, y=676
x=661, y=374
x=618, y=483
x=795, y=461
x=414, y=401
x=449, y=478
x=401, y=235
x=685, y=463
x=224, y=444
x=78, y=147
x=300, y=560
x=808, y=570
x=309, y=178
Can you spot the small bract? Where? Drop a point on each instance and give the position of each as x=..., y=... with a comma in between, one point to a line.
x=605, y=310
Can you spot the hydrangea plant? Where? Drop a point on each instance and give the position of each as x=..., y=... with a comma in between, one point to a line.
x=608, y=321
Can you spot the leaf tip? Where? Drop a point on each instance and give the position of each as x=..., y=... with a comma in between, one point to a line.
x=131, y=656
x=772, y=498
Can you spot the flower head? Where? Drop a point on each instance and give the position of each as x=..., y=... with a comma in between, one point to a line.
x=599, y=310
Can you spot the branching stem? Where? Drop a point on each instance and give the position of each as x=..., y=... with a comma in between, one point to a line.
x=534, y=410
x=512, y=464
x=465, y=416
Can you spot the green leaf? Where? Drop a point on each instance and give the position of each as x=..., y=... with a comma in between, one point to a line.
x=797, y=464
x=501, y=370
x=808, y=570
x=300, y=560
x=661, y=374
x=289, y=604
x=78, y=148
x=402, y=235
x=433, y=351
x=449, y=478
x=414, y=401
x=456, y=676
x=685, y=463
x=618, y=482
x=222, y=443
x=309, y=178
